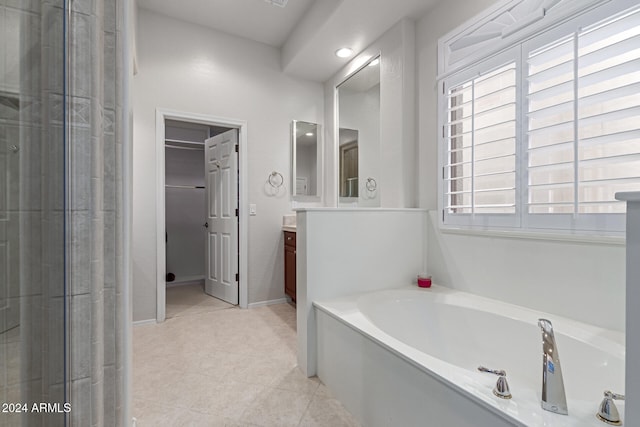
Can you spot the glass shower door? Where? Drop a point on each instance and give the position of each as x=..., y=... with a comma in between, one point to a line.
x=32, y=213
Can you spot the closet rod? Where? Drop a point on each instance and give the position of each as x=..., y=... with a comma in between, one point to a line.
x=185, y=186
x=184, y=148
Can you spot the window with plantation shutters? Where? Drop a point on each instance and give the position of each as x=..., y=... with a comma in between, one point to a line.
x=481, y=138
x=545, y=140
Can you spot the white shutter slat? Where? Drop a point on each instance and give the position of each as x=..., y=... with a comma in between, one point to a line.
x=605, y=53
x=620, y=70
x=597, y=34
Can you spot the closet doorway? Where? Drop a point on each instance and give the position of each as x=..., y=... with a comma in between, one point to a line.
x=199, y=210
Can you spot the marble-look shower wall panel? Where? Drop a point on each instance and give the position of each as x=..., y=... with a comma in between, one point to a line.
x=109, y=155
x=30, y=54
x=55, y=359
x=31, y=111
x=86, y=55
x=10, y=351
x=97, y=398
x=10, y=111
x=109, y=396
x=81, y=319
x=14, y=248
x=110, y=16
x=53, y=43
x=81, y=402
x=27, y=5
x=80, y=149
x=29, y=155
x=32, y=339
x=110, y=327
x=32, y=392
x=80, y=113
x=80, y=253
x=97, y=175
x=109, y=122
x=11, y=45
x=97, y=353
x=109, y=71
x=12, y=172
x=53, y=257
x=4, y=36
x=31, y=280
x=53, y=191
x=85, y=7
x=110, y=251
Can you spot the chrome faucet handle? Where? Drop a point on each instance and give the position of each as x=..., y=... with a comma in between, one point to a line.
x=502, y=386
x=607, y=412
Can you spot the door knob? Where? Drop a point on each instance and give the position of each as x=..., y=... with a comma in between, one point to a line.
x=205, y=225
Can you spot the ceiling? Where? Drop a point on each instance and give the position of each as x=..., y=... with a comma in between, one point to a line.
x=307, y=32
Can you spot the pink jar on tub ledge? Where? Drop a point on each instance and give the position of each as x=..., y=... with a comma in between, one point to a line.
x=424, y=281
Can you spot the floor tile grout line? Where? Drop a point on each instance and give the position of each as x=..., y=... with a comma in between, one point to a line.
x=304, y=412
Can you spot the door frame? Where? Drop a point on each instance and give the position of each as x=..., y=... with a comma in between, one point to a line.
x=243, y=202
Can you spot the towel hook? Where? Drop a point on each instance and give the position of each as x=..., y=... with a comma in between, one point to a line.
x=371, y=184
x=275, y=179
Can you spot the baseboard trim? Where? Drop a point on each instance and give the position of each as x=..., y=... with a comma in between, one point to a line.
x=144, y=322
x=269, y=302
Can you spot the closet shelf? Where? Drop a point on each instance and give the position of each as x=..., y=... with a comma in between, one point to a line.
x=189, y=187
x=182, y=141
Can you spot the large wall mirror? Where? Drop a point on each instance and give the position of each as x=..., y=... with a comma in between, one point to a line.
x=305, y=155
x=359, y=137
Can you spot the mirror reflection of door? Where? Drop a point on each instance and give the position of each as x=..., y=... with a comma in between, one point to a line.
x=305, y=162
x=302, y=187
x=348, y=163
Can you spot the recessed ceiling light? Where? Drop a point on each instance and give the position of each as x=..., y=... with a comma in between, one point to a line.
x=309, y=133
x=344, y=52
x=374, y=62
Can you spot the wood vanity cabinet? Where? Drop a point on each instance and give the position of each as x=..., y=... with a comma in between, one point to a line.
x=290, y=264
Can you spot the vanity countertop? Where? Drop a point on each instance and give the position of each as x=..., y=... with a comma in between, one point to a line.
x=291, y=228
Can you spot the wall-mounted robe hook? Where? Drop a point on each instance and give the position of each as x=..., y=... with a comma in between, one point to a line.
x=371, y=184
x=275, y=179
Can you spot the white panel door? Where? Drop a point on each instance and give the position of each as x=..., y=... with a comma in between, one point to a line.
x=221, y=168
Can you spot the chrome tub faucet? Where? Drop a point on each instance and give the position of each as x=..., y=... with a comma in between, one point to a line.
x=553, y=395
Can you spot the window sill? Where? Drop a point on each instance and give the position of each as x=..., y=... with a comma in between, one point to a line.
x=544, y=235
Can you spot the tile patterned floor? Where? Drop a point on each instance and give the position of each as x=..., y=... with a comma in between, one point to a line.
x=226, y=367
x=184, y=300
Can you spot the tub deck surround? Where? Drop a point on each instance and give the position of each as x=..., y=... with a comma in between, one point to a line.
x=444, y=335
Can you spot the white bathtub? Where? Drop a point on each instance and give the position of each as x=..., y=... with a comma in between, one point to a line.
x=408, y=356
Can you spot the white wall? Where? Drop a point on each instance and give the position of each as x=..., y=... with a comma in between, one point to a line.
x=188, y=68
x=396, y=183
x=349, y=251
x=584, y=281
